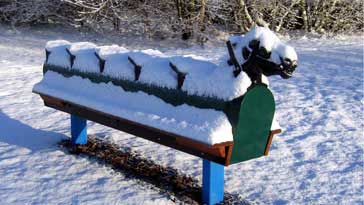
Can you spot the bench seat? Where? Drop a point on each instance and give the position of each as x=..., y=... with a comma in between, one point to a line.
x=201, y=132
x=207, y=126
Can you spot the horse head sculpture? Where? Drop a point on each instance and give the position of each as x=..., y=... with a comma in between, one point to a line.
x=259, y=52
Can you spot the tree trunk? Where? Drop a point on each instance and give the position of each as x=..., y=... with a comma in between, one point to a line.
x=202, y=15
x=326, y=14
x=246, y=14
x=179, y=8
x=281, y=21
x=304, y=14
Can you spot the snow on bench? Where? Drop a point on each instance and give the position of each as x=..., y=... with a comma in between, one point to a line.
x=185, y=95
x=222, y=112
x=201, y=80
x=205, y=125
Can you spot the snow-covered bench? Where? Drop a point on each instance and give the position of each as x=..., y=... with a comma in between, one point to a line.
x=222, y=112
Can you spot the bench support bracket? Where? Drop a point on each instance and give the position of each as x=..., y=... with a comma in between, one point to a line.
x=212, y=182
x=78, y=130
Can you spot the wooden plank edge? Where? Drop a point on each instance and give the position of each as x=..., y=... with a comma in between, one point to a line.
x=270, y=139
x=229, y=151
x=216, y=152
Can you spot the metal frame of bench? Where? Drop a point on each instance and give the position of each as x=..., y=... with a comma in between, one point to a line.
x=214, y=156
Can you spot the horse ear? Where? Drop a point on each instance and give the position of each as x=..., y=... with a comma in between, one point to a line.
x=233, y=60
x=254, y=44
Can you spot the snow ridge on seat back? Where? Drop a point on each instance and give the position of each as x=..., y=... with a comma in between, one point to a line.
x=155, y=69
x=56, y=53
x=116, y=55
x=205, y=78
x=85, y=59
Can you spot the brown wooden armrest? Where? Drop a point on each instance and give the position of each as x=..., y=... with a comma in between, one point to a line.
x=270, y=138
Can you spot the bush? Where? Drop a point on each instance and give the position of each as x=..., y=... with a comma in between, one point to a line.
x=188, y=18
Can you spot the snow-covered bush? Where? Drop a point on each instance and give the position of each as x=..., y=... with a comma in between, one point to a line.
x=188, y=18
x=18, y=12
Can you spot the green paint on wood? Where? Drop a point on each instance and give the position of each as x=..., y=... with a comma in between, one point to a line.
x=254, y=123
x=174, y=97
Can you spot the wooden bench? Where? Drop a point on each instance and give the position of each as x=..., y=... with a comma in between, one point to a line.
x=215, y=157
x=220, y=153
x=250, y=114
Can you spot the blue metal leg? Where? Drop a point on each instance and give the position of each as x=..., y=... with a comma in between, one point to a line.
x=212, y=182
x=78, y=130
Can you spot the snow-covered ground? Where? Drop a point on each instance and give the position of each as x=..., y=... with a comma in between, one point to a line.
x=317, y=160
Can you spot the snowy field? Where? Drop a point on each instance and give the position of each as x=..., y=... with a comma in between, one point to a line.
x=317, y=160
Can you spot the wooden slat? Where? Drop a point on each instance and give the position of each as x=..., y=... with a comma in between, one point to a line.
x=270, y=138
x=219, y=153
x=53, y=101
x=228, y=151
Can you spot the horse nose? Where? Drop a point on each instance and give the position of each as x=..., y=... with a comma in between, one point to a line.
x=290, y=64
x=294, y=65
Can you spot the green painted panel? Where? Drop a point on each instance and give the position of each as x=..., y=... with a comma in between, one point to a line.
x=172, y=96
x=254, y=123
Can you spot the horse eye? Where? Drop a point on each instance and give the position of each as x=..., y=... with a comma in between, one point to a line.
x=287, y=61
